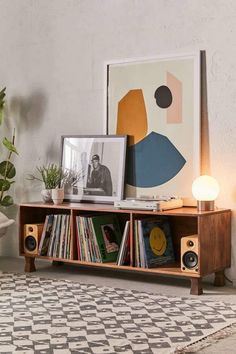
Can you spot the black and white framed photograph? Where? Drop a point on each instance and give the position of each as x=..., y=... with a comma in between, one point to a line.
x=94, y=167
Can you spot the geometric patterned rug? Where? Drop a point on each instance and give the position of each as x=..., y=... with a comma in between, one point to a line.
x=57, y=316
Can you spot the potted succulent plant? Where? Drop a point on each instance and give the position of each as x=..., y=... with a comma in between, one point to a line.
x=53, y=178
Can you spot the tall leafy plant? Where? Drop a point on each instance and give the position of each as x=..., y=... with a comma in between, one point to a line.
x=7, y=169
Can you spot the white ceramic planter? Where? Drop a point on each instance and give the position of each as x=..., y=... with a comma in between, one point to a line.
x=58, y=195
x=46, y=195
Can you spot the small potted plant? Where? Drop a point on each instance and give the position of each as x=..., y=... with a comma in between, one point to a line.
x=53, y=178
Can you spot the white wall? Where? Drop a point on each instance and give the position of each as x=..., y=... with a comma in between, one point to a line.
x=52, y=62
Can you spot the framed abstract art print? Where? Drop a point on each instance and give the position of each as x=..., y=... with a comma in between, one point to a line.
x=157, y=104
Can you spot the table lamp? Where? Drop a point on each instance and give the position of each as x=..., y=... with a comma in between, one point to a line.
x=205, y=190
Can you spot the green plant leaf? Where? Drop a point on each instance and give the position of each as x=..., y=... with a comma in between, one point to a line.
x=2, y=103
x=8, y=144
x=4, y=185
x=7, y=201
x=2, y=94
x=7, y=169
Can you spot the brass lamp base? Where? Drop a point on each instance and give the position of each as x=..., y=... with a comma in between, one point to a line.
x=205, y=205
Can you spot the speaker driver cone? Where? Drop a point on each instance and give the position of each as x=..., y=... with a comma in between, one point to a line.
x=190, y=259
x=30, y=243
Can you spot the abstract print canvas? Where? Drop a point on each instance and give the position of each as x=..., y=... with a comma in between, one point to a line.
x=157, y=104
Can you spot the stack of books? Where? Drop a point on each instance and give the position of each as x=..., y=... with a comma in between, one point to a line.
x=56, y=240
x=98, y=238
x=153, y=243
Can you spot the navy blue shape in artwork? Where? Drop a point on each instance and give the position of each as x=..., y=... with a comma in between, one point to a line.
x=152, y=161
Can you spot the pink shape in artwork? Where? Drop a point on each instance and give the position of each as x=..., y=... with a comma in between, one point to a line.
x=174, y=112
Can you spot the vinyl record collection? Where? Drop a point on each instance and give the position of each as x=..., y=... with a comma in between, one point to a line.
x=153, y=243
x=98, y=238
x=56, y=240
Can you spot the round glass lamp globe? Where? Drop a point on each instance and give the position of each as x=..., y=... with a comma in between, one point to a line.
x=205, y=188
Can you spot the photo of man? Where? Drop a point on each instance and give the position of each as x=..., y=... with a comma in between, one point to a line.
x=99, y=176
x=95, y=167
x=110, y=239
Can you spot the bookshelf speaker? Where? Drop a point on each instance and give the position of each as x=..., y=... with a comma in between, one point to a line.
x=190, y=253
x=32, y=235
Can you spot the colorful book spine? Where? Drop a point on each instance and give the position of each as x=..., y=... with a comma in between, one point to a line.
x=45, y=240
x=43, y=234
x=123, y=251
x=52, y=237
x=62, y=236
x=98, y=256
x=57, y=237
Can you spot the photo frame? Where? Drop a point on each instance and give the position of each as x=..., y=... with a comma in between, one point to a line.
x=156, y=102
x=95, y=167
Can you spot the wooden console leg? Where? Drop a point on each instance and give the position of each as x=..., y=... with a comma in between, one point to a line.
x=219, y=278
x=29, y=264
x=196, y=286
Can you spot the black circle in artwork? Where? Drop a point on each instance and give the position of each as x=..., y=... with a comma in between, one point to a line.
x=163, y=96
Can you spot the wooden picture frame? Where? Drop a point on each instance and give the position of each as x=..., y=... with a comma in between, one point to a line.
x=95, y=167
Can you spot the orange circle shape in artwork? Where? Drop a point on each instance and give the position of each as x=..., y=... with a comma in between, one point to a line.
x=132, y=116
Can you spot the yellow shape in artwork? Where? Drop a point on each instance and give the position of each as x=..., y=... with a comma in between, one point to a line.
x=157, y=241
x=132, y=116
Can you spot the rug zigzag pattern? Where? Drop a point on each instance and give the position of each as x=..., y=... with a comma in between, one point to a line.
x=58, y=316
